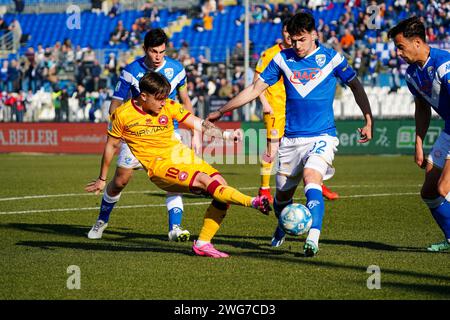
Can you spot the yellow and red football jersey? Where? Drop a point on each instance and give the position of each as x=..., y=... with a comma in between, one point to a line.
x=147, y=136
x=276, y=94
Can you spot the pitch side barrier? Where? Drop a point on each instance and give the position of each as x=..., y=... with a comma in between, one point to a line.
x=391, y=136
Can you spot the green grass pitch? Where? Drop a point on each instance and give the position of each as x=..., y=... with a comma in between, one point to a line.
x=379, y=220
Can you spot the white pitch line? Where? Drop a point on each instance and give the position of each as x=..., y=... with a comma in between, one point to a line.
x=190, y=204
x=44, y=196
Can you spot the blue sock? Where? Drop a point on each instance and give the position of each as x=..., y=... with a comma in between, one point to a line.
x=278, y=207
x=108, y=204
x=442, y=216
x=174, y=204
x=315, y=204
x=175, y=217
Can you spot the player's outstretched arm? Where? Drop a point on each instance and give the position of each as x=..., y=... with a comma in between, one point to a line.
x=245, y=96
x=187, y=104
x=267, y=108
x=366, y=132
x=209, y=129
x=422, y=117
x=115, y=103
x=111, y=146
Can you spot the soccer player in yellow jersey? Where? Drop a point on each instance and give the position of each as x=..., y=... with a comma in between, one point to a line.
x=273, y=101
x=145, y=124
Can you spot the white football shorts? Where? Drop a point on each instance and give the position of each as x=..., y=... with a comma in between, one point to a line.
x=440, y=151
x=295, y=154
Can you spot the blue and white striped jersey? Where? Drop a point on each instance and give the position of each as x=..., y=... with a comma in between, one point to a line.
x=432, y=83
x=310, y=84
x=132, y=73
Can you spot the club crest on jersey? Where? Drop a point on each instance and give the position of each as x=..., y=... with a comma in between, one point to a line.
x=183, y=175
x=168, y=73
x=304, y=75
x=430, y=71
x=163, y=120
x=320, y=59
x=140, y=75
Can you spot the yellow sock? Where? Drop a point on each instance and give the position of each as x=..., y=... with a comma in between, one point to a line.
x=229, y=195
x=266, y=170
x=211, y=222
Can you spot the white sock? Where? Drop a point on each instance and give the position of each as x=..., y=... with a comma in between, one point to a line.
x=313, y=236
x=200, y=243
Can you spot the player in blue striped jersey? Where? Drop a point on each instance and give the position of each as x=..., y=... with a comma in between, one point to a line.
x=128, y=86
x=428, y=79
x=307, y=148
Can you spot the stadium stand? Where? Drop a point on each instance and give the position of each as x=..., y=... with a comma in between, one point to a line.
x=206, y=36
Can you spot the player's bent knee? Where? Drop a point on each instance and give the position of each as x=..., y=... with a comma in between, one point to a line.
x=202, y=180
x=218, y=177
x=315, y=169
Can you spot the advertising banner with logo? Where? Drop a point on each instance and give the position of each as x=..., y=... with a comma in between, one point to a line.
x=396, y=136
x=52, y=137
x=86, y=138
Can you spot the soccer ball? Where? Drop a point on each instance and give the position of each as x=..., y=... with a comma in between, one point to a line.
x=295, y=219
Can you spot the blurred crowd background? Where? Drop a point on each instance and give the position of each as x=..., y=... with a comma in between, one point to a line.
x=60, y=61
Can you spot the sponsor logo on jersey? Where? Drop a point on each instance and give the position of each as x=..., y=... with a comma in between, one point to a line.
x=438, y=153
x=183, y=175
x=304, y=75
x=320, y=59
x=148, y=122
x=168, y=73
x=430, y=71
x=163, y=120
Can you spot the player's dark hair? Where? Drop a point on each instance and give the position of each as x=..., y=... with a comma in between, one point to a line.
x=155, y=38
x=411, y=27
x=285, y=22
x=155, y=84
x=301, y=22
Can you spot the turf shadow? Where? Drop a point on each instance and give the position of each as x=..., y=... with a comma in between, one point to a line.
x=81, y=231
x=102, y=246
x=443, y=290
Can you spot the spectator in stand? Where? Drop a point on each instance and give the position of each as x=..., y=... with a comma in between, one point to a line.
x=442, y=35
x=208, y=22
x=238, y=54
x=4, y=76
x=96, y=72
x=20, y=5
x=119, y=34
x=14, y=77
x=431, y=36
x=134, y=38
x=226, y=89
x=347, y=41
x=332, y=40
x=80, y=94
x=115, y=9
x=394, y=66
x=57, y=104
x=64, y=101
x=111, y=68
